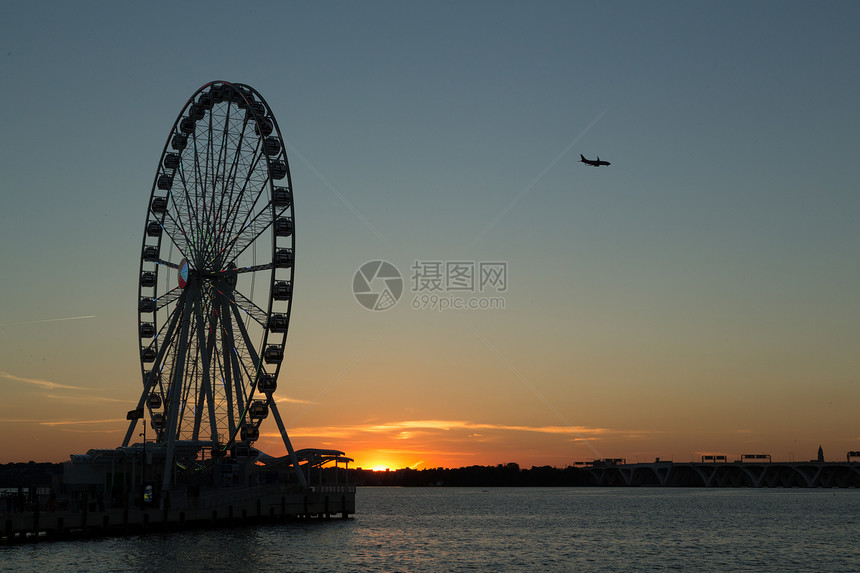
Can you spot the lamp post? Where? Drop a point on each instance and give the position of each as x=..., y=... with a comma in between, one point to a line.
x=143, y=471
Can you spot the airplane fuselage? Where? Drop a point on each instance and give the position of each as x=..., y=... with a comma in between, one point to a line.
x=596, y=163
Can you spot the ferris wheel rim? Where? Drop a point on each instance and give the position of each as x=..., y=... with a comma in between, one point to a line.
x=187, y=297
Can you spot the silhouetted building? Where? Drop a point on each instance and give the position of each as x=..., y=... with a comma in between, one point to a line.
x=820, y=454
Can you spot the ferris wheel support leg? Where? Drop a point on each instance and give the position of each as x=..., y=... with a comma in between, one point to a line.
x=131, y=426
x=206, y=388
x=274, y=408
x=176, y=394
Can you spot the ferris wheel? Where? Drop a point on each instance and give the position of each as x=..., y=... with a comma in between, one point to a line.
x=216, y=273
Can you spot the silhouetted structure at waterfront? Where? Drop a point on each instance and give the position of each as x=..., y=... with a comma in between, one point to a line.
x=754, y=470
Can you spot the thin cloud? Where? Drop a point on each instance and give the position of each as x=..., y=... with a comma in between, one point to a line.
x=321, y=432
x=286, y=399
x=340, y=375
x=461, y=425
x=49, y=320
x=423, y=452
x=63, y=422
x=76, y=431
x=534, y=390
x=78, y=422
x=85, y=398
x=37, y=382
x=409, y=428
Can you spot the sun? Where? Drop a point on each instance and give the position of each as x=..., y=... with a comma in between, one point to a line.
x=374, y=460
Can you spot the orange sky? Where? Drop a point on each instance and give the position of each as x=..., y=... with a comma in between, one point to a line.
x=516, y=423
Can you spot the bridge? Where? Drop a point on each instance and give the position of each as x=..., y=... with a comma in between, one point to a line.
x=749, y=471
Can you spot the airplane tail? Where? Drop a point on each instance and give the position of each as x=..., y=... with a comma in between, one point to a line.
x=581, y=157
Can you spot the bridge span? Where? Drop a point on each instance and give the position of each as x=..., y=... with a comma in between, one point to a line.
x=723, y=474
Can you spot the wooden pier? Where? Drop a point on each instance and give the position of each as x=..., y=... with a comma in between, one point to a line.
x=112, y=492
x=262, y=504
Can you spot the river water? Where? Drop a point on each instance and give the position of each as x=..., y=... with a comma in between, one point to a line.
x=504, y=529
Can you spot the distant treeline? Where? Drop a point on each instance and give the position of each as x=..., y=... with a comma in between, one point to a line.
x=30, y=474
x=33, y=474
x=508, y=475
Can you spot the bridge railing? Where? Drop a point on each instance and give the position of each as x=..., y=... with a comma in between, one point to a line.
x=755, y=458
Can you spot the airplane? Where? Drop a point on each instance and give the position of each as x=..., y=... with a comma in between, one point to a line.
x=597, y=163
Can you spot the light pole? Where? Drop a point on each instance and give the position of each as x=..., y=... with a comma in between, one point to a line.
x=143, y=471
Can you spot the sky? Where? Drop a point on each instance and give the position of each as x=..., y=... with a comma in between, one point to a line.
x=701, y=295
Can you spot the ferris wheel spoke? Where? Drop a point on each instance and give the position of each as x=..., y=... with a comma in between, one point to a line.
x=255, y=176
x=249, y=195
x=254, y=358
x=189, y=213
x=248, y=363
x=184, y=210
x=253, y=269
x=235, y=163
x=206, y=176
x=241, y=211
x=170, y=264
x=218, y=186
x=226, y=274
x=177, y=236
x=221, y=191
x=199, y=184
x=247, y=306
x=159, y=352
x=168, y=298
x=252, y=231
x=210, y=198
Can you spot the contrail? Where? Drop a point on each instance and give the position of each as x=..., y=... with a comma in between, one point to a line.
x=38, y=382
x=540, y=175
x=332, y=188
x=48, y=320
